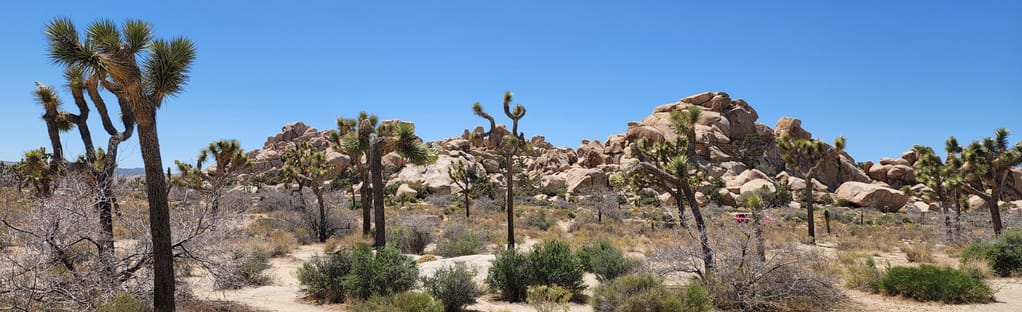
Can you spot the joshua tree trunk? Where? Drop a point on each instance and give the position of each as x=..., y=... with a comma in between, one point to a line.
x=376, y=170
x=681, y=208
x=704, y=240
x=757, y=225
x=159, y=210
x=995, y=210
x=366, y=200
x=468, y=202
x=510, y=200
x=322, y=228
x=810, y=216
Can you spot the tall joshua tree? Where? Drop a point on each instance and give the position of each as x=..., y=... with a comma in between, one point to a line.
x=352, y=138
x=229, y=161
x=805, y=158
x=463, y=177
x=305, y=165
x=668, y=166
x=142, y=86
x=944, y=181
x=508, y=146
x=366, y=139
x=987, y=166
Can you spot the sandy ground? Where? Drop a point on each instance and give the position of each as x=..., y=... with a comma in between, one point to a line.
x=283, y=293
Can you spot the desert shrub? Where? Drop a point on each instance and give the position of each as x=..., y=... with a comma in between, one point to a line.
x=920, y=252
x=458, y=240
x=696, y=298
x=862, y=274
x=539, y=220
x=509, y=274
x=486, y=204
x=548, y=298
x=453, y=286
x=245, y=269
x=400, y=302
x=932, y=283
x=323, y=277
x=634, y=293
x=358, y=273
x=647, y=197
x=552, y=263
x=272, y=200
x=281, y=243
x=605, y=260
x=1003, y=253
x=411, y=240
x=124, y=302
x=273, y=177
x=383, y=273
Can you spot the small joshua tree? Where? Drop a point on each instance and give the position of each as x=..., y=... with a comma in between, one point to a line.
x=307, y=167
x=508, y=146
x=988, y=164
x=805, y=158
x=464, y=178
x=352, y=138
x=944, y=181
x=668, y=166
x=229, y=161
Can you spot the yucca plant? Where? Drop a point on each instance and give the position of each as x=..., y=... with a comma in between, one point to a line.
x=988, y=164
x=508, y=146
x=141, y=72
x=669, y=165
x=804, y=159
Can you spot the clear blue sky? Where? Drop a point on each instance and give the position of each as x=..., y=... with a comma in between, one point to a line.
x=886, y=74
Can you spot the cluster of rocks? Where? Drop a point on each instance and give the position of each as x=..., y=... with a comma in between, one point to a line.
x=729, y=138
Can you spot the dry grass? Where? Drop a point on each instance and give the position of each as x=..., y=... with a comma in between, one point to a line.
x=918, y=252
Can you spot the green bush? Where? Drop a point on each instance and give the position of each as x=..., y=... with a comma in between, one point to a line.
x=1004, y=253
x=411, y=239
x=124, y=302
x=931, y=283
x=539, y=220
x=635, y=293
x=509, y=274
x=459, y=240
x=323, y=277
x=384, y=273
x=697, y=298
x=358, y=274
x=605, y=260
x=552, y=263
x=453, y=286
x=400, y=302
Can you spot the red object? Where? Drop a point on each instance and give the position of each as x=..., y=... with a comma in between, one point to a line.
x=743, y=217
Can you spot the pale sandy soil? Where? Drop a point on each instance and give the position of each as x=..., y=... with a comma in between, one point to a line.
x=1008, y=295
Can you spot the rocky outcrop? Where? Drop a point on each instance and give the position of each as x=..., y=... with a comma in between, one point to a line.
x=435, y=176
x=871, y=195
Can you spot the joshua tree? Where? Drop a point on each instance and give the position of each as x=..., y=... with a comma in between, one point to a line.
x=230, y=161
x=668, y=165
x=142, y=88
x=987, y=166
x=755, y=203
x=305, y=165
x=805, y=158
x=364, y=137
x=352, y=138
x=34, y=169
x=944, y=181
x=464, y=178
x=508, y=146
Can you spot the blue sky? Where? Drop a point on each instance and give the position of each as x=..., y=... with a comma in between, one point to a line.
x=886, y=74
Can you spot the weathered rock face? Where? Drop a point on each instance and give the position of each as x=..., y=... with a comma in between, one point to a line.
x=871, y=195
x=792, y=127
x=268, y=158
x=584, y=180
x=435, y=176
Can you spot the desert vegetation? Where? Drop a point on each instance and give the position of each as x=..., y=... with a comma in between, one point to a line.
x=698, y=207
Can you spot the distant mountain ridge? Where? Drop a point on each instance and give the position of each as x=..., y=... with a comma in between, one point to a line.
x=121, y=172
